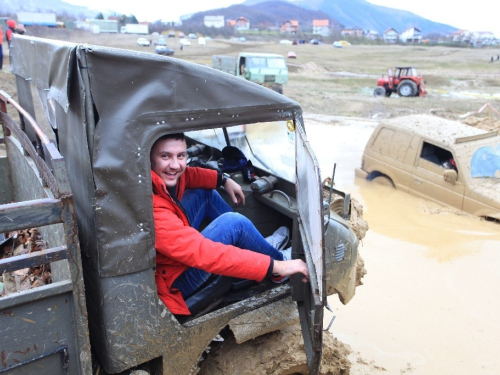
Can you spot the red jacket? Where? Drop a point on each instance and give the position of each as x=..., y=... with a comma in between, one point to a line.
x=11, y=24
x=179, y=246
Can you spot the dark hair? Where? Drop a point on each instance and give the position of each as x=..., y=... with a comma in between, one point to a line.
x=176, y=136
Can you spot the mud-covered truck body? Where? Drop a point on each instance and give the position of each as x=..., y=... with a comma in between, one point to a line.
x=99, y=111
x=269, y=70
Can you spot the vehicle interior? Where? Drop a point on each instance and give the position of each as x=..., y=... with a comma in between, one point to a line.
x=438, y=156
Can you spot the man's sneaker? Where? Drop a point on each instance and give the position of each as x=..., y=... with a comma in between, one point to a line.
x=287, y=255
x=279, y=279
x=279, y=239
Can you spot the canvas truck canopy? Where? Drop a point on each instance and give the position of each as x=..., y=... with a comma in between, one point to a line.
x=130, y=99
x=104, y=108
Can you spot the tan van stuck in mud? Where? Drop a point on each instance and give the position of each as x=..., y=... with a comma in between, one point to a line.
x=444, y=161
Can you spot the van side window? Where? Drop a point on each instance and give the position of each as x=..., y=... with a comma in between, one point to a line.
x=393, y=144
x=438, y=156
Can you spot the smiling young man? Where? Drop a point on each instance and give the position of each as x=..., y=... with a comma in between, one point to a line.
x=230, y=245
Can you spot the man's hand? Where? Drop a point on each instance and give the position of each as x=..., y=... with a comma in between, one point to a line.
x=291, y=267
x=234, y=191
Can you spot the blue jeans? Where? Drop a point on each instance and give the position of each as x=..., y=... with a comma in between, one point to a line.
x=226, y=227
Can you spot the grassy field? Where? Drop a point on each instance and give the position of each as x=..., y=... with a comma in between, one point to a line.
x=340, y=81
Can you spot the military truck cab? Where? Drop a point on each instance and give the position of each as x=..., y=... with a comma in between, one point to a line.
x=269, y=70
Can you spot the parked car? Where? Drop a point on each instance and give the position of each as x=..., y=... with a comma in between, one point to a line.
x=181, y=35
x=185, y=42
x=143, y=42
x=444, y=161
x=161, y=41
x=202, y=41
x=337, y=44
x=315, y=41
x=164, y=50
x=192, y=36
x=291, y=55
x=171, y=34
x=285, y=41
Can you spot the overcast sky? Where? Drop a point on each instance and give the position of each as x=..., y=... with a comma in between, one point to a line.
x=477, y=15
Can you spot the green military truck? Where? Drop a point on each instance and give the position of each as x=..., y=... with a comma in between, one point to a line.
x=266, y=69
x=75, y=163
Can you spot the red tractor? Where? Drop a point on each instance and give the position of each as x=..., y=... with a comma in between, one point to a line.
x=405, y=81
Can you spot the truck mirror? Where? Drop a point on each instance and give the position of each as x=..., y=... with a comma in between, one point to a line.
x=450, y=175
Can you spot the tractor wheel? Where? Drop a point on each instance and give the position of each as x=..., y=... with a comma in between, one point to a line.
x=407, y=88
x=379, y=91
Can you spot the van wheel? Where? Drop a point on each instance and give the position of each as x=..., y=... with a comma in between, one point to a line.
x=383, y=180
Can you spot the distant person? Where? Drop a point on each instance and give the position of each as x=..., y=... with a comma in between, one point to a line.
x=492, y=59
x=498, y=57
x=1, y=49
x=11, y=29
x=182, y=46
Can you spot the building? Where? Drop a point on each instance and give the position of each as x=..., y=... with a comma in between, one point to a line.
x=290, y=27
x=372, y=35
x=482, y=38
x=391, y=35
x=460, y=36
x=214, y=21
x=104, y=26
x=242, y=24
x=40, y=19
x=411, y=35
x=355, y=31
x=321, y=27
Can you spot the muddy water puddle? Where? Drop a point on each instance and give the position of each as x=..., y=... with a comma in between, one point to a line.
x=429, y=303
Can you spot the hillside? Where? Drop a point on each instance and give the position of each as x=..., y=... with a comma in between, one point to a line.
x=367, y=16
x=59, y=7
x=265, y=14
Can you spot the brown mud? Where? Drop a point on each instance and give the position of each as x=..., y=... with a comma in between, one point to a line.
x=277, y=353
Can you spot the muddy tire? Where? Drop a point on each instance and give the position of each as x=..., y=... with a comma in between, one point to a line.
x=379, y=92
x=383, y=180
x=407, y=88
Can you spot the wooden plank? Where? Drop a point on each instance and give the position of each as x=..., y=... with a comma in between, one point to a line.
x=33, y=259
x=29, y=214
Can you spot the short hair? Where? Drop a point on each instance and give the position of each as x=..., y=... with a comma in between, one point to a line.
x=176, y=136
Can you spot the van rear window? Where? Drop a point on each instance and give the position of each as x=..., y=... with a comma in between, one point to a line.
x=393, y=144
